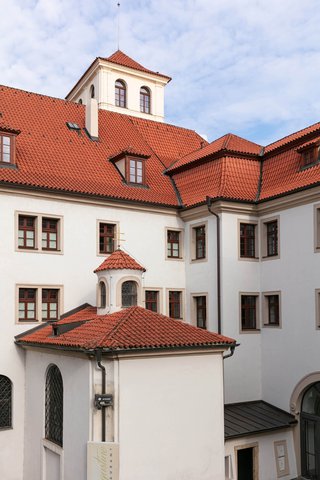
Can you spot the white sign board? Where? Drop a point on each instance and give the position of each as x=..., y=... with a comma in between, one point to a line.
x=102, y=461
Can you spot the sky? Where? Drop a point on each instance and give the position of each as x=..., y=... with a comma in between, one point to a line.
x=250, y=67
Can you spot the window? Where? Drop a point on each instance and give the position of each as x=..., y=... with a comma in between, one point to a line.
x=247, y=240
x=7, y=143
x=249, y=312
x=103, y=295
x=129, y=294
x=92, y=92
x=152, y=300
x=136, y=171
x=38, y=233
x=49, y=233
x=200, y=240
x=271, y=309
x=38, y=303
x=27, y=232
x=175, y=306
x=173, y=244
x=5, y=402
x=27, y=304
x=107, y=237
x=80, y=101
x=50, y=304
x=54, y=406
x=270, y=238
x=201, y=311
x=120, y=94
x=309, y=156
x=145, y=100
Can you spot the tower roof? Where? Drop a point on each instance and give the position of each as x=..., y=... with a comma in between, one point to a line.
x=124, y=60
x=119, y=260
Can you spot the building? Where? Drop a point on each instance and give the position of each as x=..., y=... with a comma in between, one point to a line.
x=227, y=234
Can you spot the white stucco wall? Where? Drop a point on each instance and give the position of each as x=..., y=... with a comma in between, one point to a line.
x=264, y=443
x=171, y=418
x=77, y=403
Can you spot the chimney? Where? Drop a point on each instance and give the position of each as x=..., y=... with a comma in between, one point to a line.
x=92, y=118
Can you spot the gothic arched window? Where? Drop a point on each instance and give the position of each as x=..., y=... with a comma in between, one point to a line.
x=120, y=94
x=129, y=294
x=54, y=406
x=5, y=402
x=145, y=97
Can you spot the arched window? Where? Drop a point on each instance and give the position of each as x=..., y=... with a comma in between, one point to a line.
x=145, y=100
x=54, y=406
x=5, y=402
x=120, y=94
x=80, y=101
x=309, y=431
x=92, y=91
x=103, y=295
x=129, y=294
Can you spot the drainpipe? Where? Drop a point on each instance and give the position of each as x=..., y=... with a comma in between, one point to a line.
x=232, y=349
x=103, y=382
x=209, y=204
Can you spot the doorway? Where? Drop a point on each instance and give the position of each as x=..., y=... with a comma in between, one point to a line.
x=245, y=463
x=310, y=433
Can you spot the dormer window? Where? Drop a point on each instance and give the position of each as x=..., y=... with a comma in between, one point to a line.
x=7, y=143
x=131, y=165
x=309, y=155
x=145, y=100
x=120, y=94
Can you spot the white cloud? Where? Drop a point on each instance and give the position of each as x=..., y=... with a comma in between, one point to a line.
x=248, y=66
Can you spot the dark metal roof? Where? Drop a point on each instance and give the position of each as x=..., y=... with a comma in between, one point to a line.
x=247, y=418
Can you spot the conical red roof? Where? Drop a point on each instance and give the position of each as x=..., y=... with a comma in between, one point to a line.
x=119, y=260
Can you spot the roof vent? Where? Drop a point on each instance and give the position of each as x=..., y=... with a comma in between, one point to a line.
x=92, y=118
x=73, y=126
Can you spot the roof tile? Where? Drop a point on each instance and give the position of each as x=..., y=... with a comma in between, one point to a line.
x=119, y=260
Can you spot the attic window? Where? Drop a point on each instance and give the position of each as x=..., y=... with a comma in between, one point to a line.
x=309, y=156
x=73, y=126
x=7, y=151
x=131, y=166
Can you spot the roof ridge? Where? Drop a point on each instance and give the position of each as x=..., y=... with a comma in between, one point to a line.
x=226, y=141
x=126, y=316
x=69, y=102
x=293, y=133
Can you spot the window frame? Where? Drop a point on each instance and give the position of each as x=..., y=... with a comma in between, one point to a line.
x=266, y=309
x=264, y=238
x=160, y=297
x=25, y=229
x=134, y=295
x=180, y=231
x=8, y=402
x=38, y=302
x=194, y=309
x=49, y=390
x=120, y=99
x=116, y=226
x=193, y=242
x=257, y=329
x=316, y=227
x=310, y=156
x=12, y=148
x=38, y=248
x=128, y=167
x=182, y=309
x=255, y=223
x=149, y=301
x=50, y=301
x=143, y=97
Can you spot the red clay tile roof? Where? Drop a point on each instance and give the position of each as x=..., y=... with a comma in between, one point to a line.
x=51, y=156
x=132, y=328
x=293, y=137
x=124, y=60
x=119, y=260
x=227, y=143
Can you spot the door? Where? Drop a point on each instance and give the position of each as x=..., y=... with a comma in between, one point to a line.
x=245, y=464
x=310, y=433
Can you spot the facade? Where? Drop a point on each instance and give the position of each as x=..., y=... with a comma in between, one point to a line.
x=227, y=237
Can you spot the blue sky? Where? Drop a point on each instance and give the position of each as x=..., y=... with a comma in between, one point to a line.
x=250, y=67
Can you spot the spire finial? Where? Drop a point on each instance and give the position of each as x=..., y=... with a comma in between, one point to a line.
x=118, y=33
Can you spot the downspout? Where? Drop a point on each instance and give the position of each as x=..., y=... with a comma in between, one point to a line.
x=232, y=349
x=103, y=383
x=209, y=204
